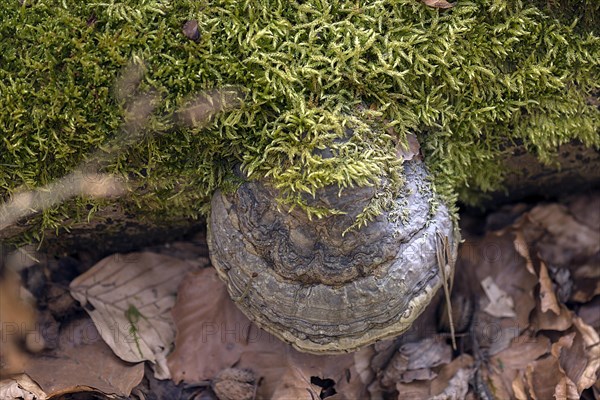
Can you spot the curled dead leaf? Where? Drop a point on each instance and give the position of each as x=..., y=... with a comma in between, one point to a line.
x=547, y=295
x=523, y=249
x=550, y=321
x=591, y=345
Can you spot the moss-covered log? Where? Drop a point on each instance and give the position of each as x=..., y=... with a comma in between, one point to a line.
x=470, y=82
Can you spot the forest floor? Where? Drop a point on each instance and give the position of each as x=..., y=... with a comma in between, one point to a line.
x=158, y=324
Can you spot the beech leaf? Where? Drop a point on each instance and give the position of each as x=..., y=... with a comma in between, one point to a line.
x=131, y=297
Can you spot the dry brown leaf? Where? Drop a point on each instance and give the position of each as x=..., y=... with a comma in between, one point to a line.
x=438, y=3
x=409, y=151
x=212, y=334
x=500, y=305
x=523, y=249
x=21, y=387
x=442, y=382
x=543, y=376
x=567, y=240
x=565, y=388
x=549, y=321
x=586, y=209
x=83, y=362
x=494, y=256
x=234, y=384
x=547, y=295
x=586, y=280
x=457, y=387
x=589, y=313
x=414, y=361
x=131, y=297
x=518, y=387
x=590, y=346
x=512, y=362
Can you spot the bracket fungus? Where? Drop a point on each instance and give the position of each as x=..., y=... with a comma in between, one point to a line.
x=321, y=290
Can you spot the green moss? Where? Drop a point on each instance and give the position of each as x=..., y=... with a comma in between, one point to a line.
x=468, y=81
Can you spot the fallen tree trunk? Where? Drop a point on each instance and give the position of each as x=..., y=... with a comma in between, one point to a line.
x=113, y=229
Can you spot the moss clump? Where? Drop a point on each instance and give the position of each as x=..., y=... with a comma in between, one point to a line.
x=468, y=81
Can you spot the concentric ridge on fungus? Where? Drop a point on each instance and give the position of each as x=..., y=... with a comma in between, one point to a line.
x=324, y=292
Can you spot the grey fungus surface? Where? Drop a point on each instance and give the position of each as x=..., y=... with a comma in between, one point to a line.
x=317, y=289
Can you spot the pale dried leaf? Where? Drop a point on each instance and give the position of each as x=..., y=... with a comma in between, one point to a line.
x=132, y=296
x=83, y=362
x=528, y=380
x=547, y=295
x=20, y=387
x=457, y=387
x=566, y=390
x=212, y=334
x=295, y=384
x=523, y=249
x=414, y=361
x=418, y=390
x=409, y=150
x=423, y=374
x=501, y=305
x=494, y=256
x=518, y=387
x=426, y=353
x=591, y=342
x=438, y=3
